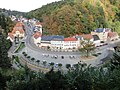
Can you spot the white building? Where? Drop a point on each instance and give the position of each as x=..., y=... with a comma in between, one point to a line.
x=102, y=33
x=17, y=31
x=37, y=38
x=38, y=27
x=71, y=43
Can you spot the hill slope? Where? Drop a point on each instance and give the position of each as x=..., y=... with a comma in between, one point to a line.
x=69, y=17
x=11, y=12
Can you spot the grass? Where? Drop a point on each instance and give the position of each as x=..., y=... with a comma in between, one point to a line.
x=22, y=45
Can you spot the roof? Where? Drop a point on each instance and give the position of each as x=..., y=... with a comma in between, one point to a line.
x=99, y=30
x=112, y=34
x=20, y=30
x=37, y=35
x=18, y=27
x=107, y=29
x=87, y=36
x=79, y=37
x=53, y=38
x=11, y=35
x=70, y=39
x=19, y=24
x=95, y=37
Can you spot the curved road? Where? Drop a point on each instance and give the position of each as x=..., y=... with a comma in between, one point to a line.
x=34, y=51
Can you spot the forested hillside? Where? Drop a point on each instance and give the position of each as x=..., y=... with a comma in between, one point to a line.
x=5, y=26
x=12, y=12
x=68, y=17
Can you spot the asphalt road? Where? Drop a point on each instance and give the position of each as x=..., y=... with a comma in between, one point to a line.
x=39, y=54
x=44, y=55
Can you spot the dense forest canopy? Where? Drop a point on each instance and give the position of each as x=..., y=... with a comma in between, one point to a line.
x=5, y=26
x=12, y=12
x=68, y=17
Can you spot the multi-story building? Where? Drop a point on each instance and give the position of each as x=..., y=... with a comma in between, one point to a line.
x=37, y=38
x=17, y=32
x=113, y=36
x=71, y=43
x=61, y=43
x=38, y=27
x=102, y=33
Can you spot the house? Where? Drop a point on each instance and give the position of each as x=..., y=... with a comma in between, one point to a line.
x=18, y=31
x=113, y=36
x=13, y=18
x=38, y=27
x=45, y=41
x=70, y=43
x=102, y=33
x=87, y=37
x=96, y=40
x=52, y=41
x=57, y=42
x=37, y=38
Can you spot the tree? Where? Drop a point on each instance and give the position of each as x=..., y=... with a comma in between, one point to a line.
x=59, y=65
x=68, y=66
x=52, y=64
x=25, y=54
x=87, y=47
x=57, y=80
x=2, y=82
x=115, y=61
x=28, y=56
x=44, y=63
x=4, y=60
x=38, y=61
x=32, y=59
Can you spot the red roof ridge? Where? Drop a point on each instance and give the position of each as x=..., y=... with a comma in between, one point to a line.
x=70, y=39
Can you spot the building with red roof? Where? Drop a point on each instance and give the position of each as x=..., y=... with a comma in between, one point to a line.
x=87, y=37
x=71, y=43
x=37, y=38
x=113, y=36
x=70, y=39
x=18, y=31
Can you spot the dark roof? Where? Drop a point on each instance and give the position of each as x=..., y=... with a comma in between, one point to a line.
x=54, y=38
x=99, y=30
x=79, y=37
x=96, y=37
x=102, y=30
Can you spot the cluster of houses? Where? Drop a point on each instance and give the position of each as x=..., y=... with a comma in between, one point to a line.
x=17, y=33
x=99, y=37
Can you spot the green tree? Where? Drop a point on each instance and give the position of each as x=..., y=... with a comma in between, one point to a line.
x=59, y=65
x=87, y=47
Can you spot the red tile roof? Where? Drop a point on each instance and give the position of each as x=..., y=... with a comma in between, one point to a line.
x=20, y=30
x=87, y=36
x=19, y=24
x=37, y=35
x=70, y=39
x=112, y=34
